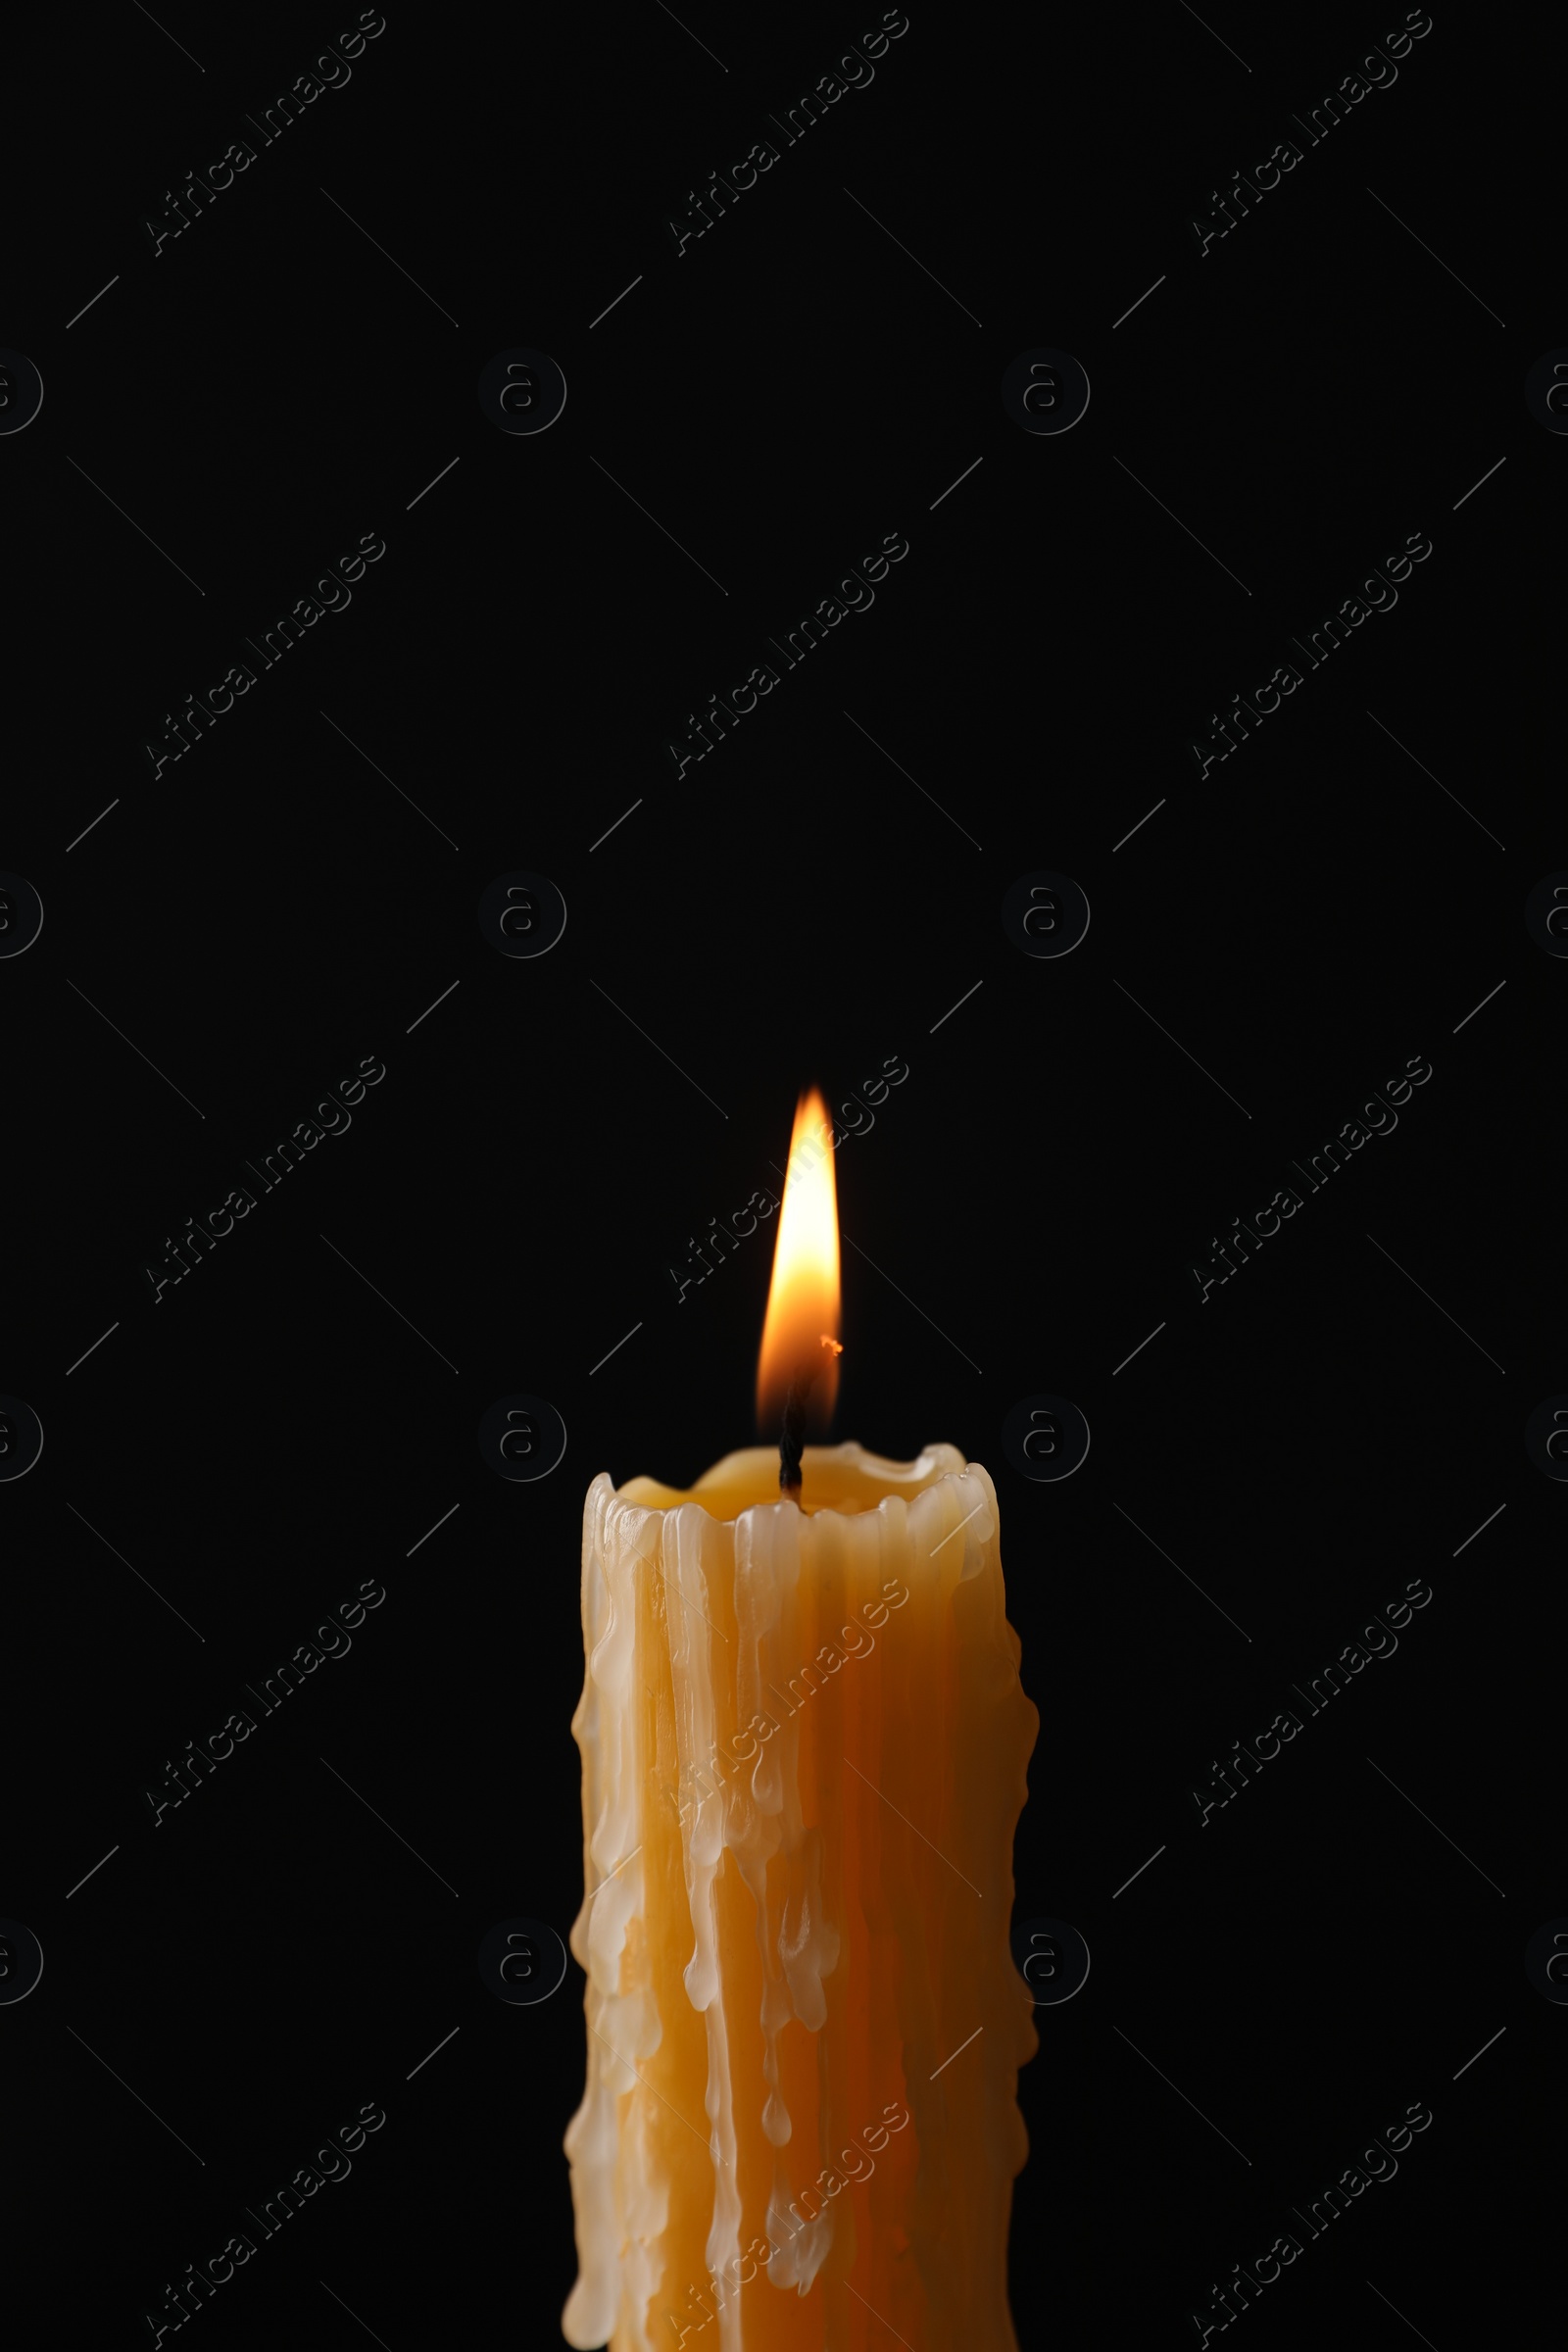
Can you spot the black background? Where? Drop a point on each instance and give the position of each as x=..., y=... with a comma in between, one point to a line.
x=549, y=1140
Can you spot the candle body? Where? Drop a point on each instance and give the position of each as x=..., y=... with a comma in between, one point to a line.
x=804, y=1752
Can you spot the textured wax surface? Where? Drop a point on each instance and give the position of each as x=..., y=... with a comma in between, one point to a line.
x=805, y=1752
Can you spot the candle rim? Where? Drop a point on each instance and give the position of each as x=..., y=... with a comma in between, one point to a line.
x=756, y=1464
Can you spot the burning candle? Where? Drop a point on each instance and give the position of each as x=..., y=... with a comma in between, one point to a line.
x=805, y=1750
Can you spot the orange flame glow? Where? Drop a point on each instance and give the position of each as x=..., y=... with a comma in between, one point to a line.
x=802, y=1326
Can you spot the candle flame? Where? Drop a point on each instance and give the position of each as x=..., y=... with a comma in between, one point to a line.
x=800, y=1334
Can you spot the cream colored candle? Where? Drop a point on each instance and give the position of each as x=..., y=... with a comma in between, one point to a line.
x=805, y=1747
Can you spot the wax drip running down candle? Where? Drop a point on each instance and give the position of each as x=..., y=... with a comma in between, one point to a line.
x=805, y=1747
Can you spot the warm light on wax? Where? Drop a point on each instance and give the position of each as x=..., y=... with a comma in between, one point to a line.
x=805, y=1750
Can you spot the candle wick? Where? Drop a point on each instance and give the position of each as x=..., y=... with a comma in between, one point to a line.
x=792, y=1436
